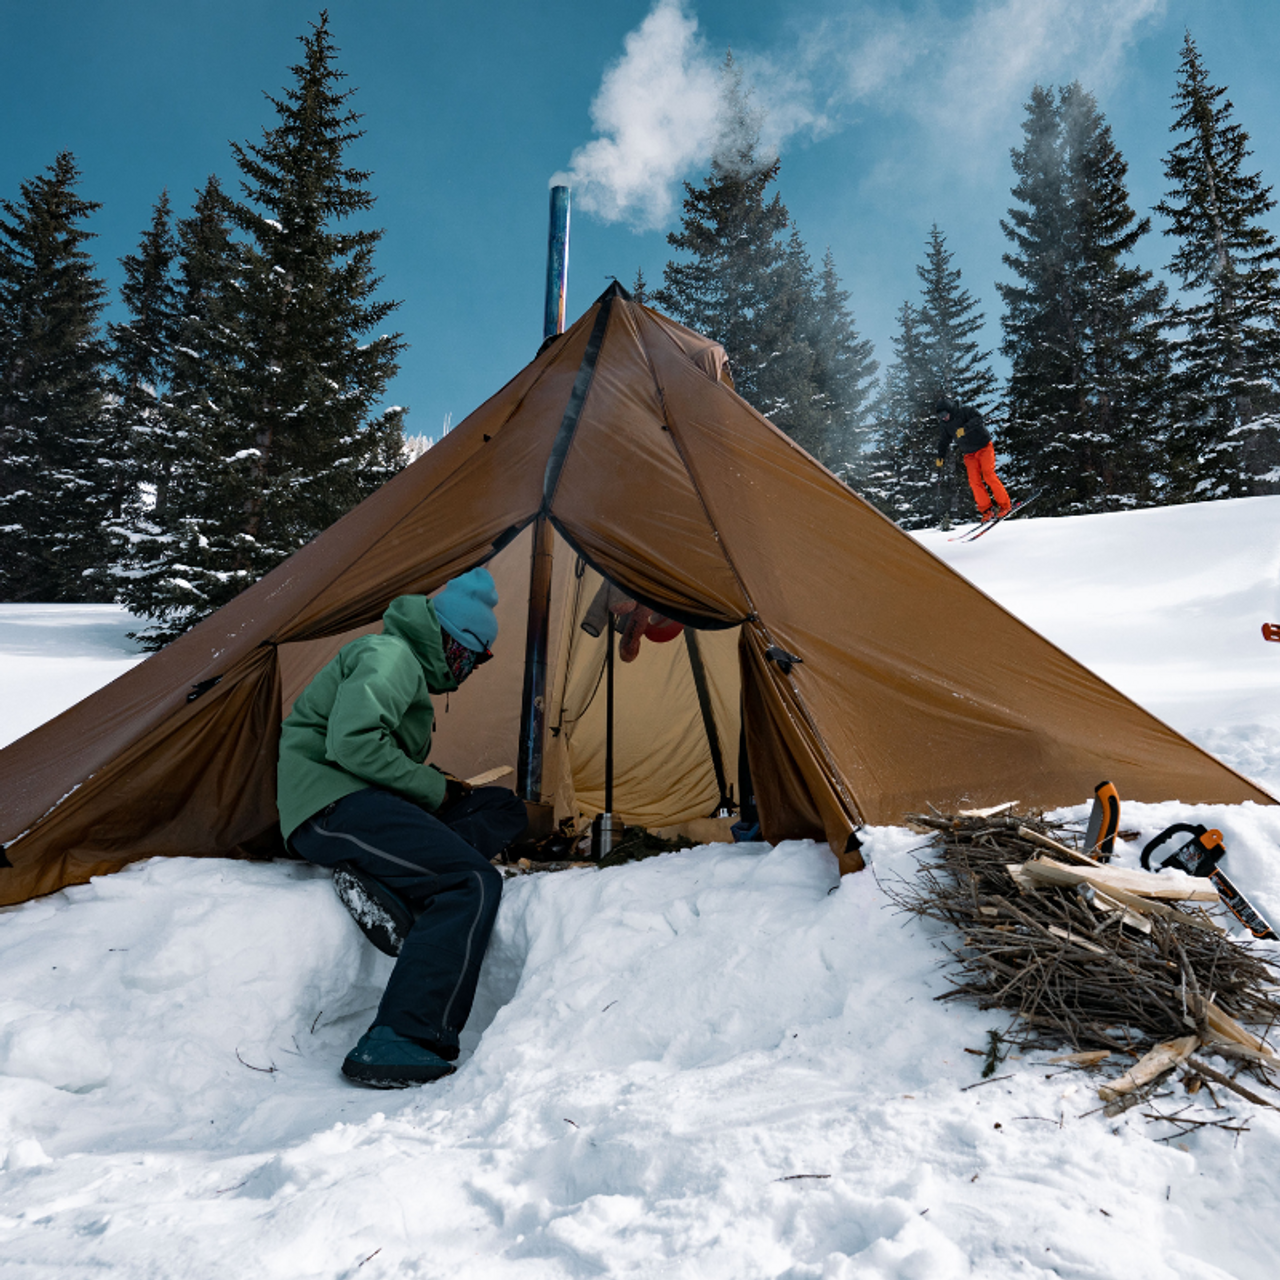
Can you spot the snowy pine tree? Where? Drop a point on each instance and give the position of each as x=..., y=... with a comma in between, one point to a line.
x=949, y=321
x=957, y=366
x=936, y=354
x=308, y=382
x=902, y=480
x=57, y=459
x=844, y=373
x=741, y=282
x=276, y=382
x=1226, y=442
x=748, y=282
x=1084, y=329
x=142, y=353
x=174, y=568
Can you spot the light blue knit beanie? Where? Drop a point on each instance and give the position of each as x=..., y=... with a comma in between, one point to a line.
x=465, y=609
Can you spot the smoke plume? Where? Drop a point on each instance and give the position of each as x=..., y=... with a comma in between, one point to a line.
x=960, y=78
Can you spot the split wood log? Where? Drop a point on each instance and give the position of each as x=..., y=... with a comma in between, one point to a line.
x=1123, y=900
x=1222, y=1026
x=1141, y=884
x=490, y=775
x=988, y=813
x=1155, y=1062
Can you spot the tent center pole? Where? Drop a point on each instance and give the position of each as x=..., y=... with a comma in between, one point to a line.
x=608, y=715
x=533, y=702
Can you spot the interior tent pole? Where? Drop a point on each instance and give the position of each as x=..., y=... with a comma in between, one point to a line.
x=608, y=730
x=533, y=706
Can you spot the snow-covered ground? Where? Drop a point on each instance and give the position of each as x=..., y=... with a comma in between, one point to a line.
x=721, y=1063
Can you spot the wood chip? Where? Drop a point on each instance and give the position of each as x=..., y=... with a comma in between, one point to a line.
x=988, y=813
x=1090, y=1058
x=1154, y=1063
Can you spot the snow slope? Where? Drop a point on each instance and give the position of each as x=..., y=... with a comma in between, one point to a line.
x=724, y=1062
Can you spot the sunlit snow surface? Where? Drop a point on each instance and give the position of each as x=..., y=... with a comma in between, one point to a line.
x=721, y=1063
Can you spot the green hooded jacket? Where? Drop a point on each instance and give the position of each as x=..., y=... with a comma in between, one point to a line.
x=365, y=719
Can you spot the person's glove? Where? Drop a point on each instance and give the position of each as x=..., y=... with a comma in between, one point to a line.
x=454, y=788
x=937, y=462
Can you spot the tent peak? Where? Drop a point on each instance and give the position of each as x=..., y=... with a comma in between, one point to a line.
x=615, y=290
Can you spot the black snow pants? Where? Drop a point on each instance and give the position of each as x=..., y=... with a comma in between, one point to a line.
x=439, y=864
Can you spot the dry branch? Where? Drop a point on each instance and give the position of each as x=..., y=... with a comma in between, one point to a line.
x=1089, y=956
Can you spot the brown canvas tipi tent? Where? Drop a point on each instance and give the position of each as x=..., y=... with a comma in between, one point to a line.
x=866, y=678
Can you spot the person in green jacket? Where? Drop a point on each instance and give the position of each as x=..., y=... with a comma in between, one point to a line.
x=409, y=844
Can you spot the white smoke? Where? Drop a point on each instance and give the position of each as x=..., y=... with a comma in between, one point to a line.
x=656, y=114
x=961, y=77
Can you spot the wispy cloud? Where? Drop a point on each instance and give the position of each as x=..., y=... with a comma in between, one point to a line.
x=961, y=78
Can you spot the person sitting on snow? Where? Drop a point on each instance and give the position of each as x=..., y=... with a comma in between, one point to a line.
x=963, y=425
x=410, y=845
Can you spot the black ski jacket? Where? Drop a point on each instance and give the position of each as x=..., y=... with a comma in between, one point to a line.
x=965, y=428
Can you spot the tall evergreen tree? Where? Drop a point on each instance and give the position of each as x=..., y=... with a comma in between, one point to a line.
x=742, y=282
x=1226, y=443
x=1085, y=329
x=957, y=366
x=949, y=321
x=179, y=559
x=276, y=393
x=844, y=372
x=56, y=455
x=902, y=479
x=142, y=352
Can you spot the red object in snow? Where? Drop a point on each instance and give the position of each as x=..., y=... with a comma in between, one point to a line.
x=1271, y=630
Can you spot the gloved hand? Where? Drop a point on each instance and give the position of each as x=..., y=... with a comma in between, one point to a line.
x=938, y=462
x=454, y=788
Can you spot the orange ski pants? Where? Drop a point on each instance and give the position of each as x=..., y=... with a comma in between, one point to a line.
x=981, y=466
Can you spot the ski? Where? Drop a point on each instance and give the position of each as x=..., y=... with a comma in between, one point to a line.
x=972, y=535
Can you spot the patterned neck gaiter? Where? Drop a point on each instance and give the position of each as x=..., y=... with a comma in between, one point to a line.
x=460, y=660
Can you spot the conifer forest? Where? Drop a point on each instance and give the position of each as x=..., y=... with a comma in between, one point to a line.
x=171, y=457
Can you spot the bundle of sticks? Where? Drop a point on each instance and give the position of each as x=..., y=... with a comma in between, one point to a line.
x=1098, y=958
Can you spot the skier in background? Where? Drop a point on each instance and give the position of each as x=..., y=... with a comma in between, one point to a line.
x=963, y=425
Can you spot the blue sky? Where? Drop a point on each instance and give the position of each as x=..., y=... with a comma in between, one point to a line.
x=887, y=116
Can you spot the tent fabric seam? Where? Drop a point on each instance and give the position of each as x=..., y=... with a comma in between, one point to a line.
x=577, y=402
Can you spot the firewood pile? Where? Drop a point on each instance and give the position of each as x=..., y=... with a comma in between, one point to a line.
x=1103, y=959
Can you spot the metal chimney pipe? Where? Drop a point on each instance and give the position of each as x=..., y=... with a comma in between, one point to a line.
x=557, y=263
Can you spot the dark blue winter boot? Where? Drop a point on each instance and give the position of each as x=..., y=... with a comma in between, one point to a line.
x=384, y=1059
x=381, y=912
